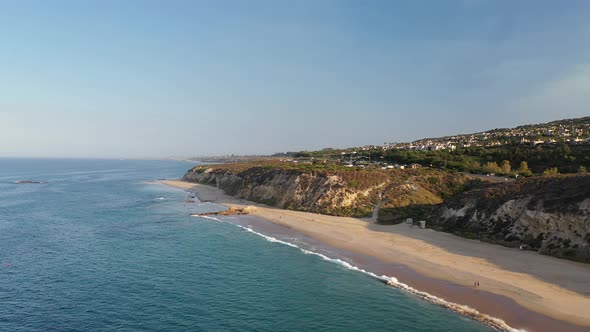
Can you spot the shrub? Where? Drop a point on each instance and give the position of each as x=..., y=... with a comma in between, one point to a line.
x=551, y=171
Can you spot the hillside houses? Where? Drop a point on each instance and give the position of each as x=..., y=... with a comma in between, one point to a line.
x=571, y=131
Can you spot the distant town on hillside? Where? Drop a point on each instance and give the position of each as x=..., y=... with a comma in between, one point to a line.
x=571, y=131
x=561, y=146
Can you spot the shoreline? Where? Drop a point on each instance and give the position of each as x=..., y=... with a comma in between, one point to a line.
x=525, y=289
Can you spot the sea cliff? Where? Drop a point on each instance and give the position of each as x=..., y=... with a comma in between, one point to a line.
x=338, y=191
x=548, y=214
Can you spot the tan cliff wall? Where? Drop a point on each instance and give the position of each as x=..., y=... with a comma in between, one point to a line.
x=551, y=215
x=342, y=193
x=321, y=193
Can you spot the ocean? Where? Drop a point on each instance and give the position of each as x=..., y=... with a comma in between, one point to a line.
x=98, y=246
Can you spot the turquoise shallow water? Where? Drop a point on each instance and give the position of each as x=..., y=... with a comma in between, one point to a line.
x=96, y=248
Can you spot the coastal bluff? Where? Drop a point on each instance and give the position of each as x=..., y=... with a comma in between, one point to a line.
x=547, y=214
x=336, y=191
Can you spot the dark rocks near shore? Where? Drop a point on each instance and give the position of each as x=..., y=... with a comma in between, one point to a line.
x=232, y=211
x=28, y=182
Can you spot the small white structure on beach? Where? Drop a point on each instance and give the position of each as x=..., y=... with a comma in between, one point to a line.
x=422, y=224
x=409, y=221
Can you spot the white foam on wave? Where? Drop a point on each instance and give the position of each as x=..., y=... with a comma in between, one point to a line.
x=212, y=218
x=493, y=322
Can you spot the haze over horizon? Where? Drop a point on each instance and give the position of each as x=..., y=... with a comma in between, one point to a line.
x=185, y=78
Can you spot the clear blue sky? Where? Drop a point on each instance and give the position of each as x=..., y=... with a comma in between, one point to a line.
x=182, y=78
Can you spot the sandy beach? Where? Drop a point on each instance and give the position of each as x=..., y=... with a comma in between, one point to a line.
x=527, y=290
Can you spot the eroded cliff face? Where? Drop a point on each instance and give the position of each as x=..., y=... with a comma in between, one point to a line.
x=292, y=189
x=337, y=192
x=551, y=215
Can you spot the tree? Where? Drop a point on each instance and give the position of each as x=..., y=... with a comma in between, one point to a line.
x=506, y=168
x=582, y=169
x=523, y=169
x=491, y=167
x=565, y=150
x=473, y=166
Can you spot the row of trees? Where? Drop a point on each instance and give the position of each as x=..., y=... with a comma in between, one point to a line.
x=505, y=160
x=567, y=159
x=506, y=169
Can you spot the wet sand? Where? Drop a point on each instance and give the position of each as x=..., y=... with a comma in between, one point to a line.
x=527, y=290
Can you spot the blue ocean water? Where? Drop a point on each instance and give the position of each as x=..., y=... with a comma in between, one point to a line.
x=98, y=248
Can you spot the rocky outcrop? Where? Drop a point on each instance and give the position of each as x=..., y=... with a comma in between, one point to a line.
x=548, y=214
x=231, y=211
x=28, y=182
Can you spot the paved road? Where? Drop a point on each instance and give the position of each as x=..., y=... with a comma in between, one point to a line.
x=492, y=178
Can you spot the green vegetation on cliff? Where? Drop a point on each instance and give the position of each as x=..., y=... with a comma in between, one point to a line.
x=500, y=160
x=333, y=189
x=415, y=196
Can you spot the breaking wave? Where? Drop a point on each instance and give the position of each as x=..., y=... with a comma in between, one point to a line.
x=493, y=322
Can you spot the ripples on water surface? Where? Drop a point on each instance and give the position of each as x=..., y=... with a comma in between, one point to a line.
x=98, y=249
